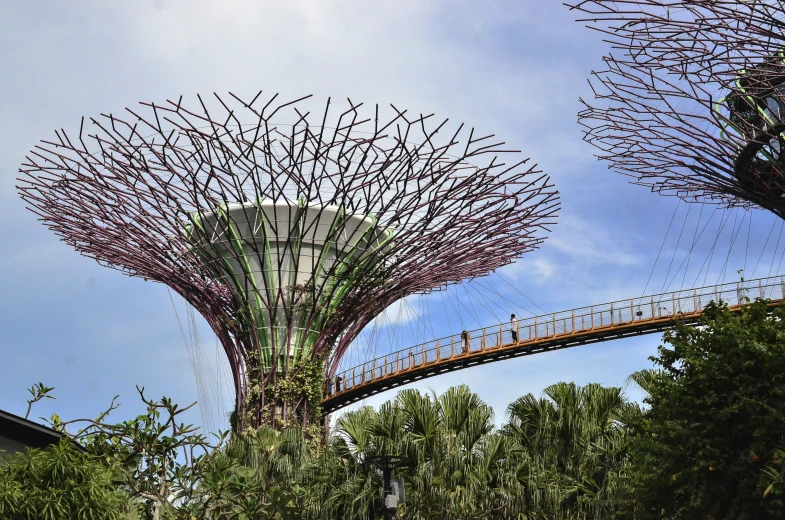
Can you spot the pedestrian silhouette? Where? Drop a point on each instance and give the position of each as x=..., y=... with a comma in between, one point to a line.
x=464, y=342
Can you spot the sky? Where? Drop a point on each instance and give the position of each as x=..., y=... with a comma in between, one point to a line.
x=515, y=69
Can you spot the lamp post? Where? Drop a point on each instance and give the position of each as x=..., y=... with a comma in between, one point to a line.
x=386, y=464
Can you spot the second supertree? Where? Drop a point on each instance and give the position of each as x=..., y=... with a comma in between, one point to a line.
x=692, y=99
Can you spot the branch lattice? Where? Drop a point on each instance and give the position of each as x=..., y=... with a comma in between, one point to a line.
x=690, y=101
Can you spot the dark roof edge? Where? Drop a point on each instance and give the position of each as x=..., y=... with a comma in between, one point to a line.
x=30, y=433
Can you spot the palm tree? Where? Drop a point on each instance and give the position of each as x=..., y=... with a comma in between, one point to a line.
x=459, y=466
x=570, y=450
x=560, y=457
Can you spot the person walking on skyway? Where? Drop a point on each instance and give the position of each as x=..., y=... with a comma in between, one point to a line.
x=464, y=342
x=514, y=328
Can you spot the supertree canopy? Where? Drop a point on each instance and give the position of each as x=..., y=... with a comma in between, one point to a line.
x=289, y=232
x=692, y=99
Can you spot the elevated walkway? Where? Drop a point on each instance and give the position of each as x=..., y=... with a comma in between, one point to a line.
x=619, y=319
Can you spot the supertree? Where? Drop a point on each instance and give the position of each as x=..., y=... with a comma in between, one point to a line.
x=692, y=99
x=288, y=237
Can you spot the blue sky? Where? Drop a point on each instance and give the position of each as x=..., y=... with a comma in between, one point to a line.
x=515, y=69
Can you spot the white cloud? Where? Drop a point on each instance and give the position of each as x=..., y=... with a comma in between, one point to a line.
x=401, y=311
x=534, y=267
x=582, y=242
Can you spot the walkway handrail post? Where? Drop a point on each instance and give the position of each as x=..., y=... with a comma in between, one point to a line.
x=653, y=314
x=673, y=303
x=452, y=347
x=482, y=341
x=632, y=311
x=501, y=334
x=592, y=317
x=411, y=359
x=611, y=313
x=554, y=323
x=396, y=363
x=385, y=366
x=373, y=374
x=423, y=354
x=438, y=351
x=573, y=321
x=535, y=327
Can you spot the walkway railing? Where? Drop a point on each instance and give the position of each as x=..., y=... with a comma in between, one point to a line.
x=584, y=320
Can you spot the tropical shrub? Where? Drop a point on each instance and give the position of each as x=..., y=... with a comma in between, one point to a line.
x=61, y=482
x=571, y=445
x=711, y=444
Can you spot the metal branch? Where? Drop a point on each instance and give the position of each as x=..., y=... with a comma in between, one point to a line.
x=691, y=101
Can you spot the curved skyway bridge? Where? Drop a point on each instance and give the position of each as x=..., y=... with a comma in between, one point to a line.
x=619, y=319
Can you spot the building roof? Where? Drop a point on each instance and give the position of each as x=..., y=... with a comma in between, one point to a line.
x=28, y=433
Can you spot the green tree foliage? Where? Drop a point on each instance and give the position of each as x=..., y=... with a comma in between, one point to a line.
x=710, y=445
x=571, y=443
x=162, y=459
x=58, y=483
x=261, y=475
x=459, y=466
x=555, y=459
x=38, y=392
